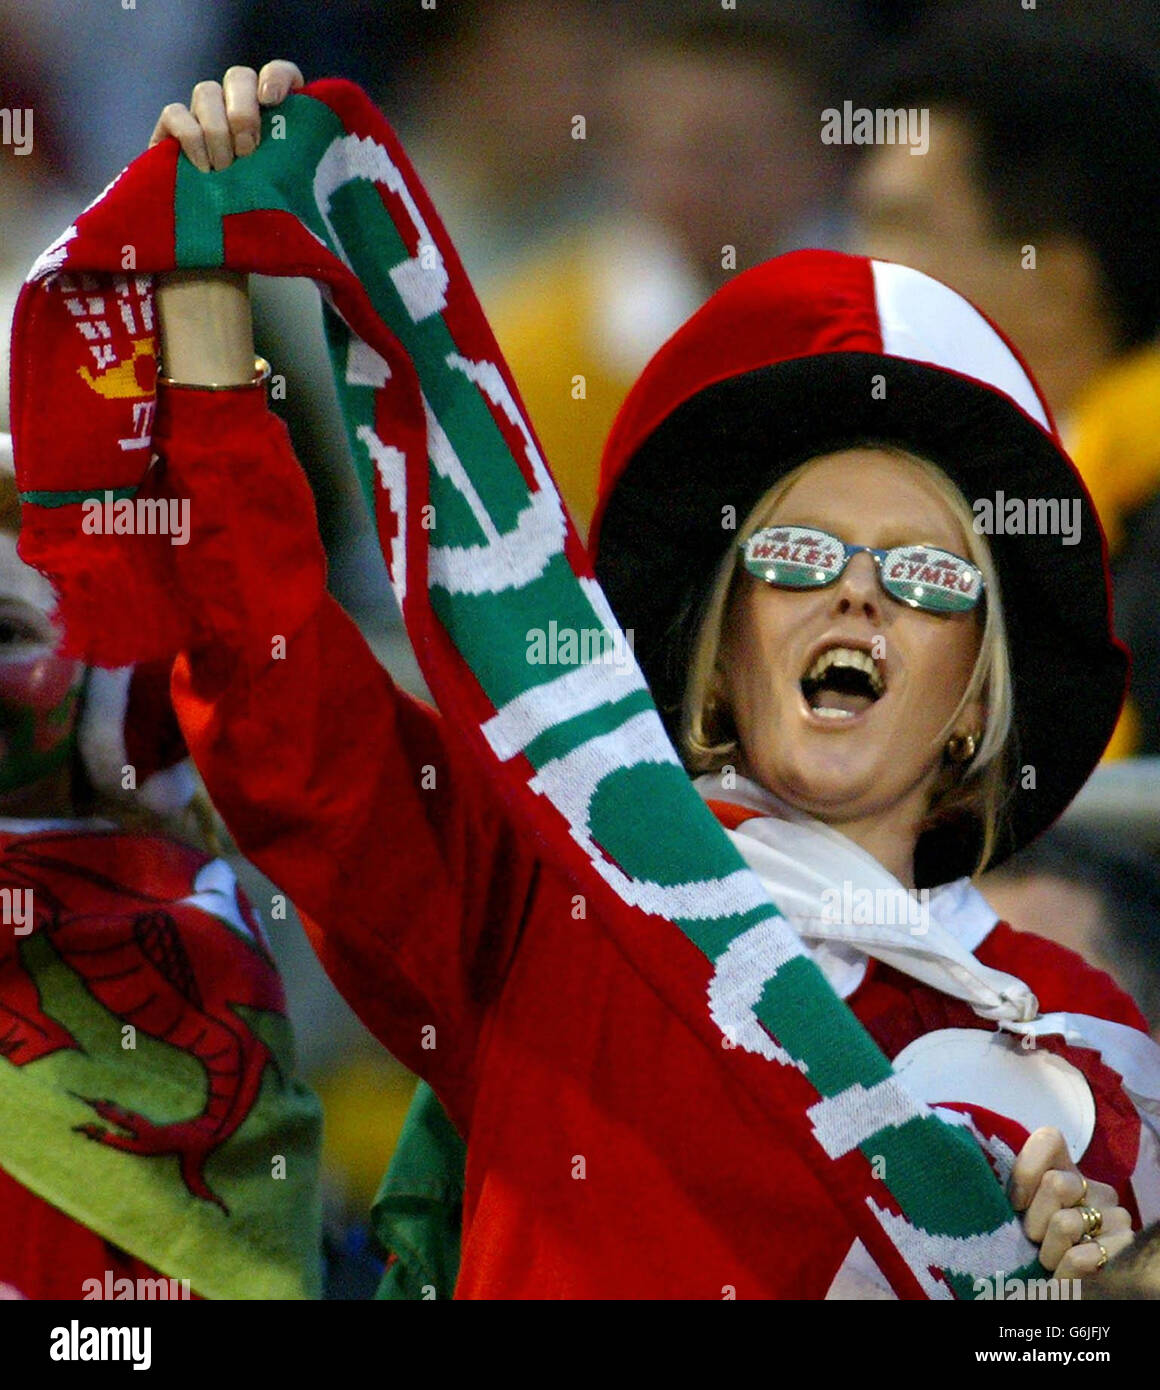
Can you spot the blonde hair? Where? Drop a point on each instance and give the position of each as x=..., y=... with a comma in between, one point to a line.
x=708, y=741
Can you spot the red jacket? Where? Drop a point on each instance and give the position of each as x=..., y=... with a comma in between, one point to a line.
x=46, y=1254
x=607, y=1154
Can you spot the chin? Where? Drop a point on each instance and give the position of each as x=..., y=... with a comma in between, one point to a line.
x=824, y=782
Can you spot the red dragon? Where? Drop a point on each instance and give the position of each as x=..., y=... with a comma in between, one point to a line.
x=163, y=939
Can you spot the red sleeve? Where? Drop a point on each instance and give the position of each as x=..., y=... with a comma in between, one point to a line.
x=47, y=1255
x=339, y=787
x=1062, y=980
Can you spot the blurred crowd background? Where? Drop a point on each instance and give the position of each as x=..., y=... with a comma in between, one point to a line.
x=699, y=153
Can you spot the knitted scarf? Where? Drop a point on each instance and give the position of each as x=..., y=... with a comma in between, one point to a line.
x=514, y=637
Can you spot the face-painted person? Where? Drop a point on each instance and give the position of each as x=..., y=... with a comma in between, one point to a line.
x=39, y=691
x=868, y=689
x=124, y=946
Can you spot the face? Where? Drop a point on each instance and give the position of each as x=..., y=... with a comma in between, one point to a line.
x=39, y=690
x=930, y=212
x=742, y=171
x=839, y=755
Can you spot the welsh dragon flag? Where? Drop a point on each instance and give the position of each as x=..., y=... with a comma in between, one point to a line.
x=438, y=432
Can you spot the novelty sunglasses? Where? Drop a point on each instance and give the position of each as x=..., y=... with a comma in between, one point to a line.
x=921, y=576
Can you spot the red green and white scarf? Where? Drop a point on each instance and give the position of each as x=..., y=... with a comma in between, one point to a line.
x=482, y=557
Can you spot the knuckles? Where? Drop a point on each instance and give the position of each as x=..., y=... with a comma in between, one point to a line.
x=1058, y=1184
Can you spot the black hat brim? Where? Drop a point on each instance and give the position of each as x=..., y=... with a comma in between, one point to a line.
x=664, y=533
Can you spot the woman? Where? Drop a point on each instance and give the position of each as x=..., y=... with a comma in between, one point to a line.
x=124, y=1072
x=844, y=659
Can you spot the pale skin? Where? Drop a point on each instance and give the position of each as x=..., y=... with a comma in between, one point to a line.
x=207, y=338
x=871, y=778
x=29, y=665
x=932, y=214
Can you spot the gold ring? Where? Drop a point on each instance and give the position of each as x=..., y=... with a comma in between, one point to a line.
x=1103, y=1254
x=1093, y=1221
x=1083, y=1195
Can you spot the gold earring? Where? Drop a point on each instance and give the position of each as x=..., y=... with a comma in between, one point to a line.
x=961, y=748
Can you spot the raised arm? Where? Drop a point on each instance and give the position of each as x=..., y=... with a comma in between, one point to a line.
x=341, y=788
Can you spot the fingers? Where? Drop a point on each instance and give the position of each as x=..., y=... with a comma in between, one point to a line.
x=1065, y=1231
x=177, y=120
x=209, y=109
x=277, y=80
x=224, y=120
x=1047, y=1185
x=1061, y=1192
x=1044, y=1151
x=1085, y=1260
x=240, y=89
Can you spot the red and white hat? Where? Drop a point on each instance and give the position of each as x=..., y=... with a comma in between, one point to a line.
x=127, y=721
x=817, y=351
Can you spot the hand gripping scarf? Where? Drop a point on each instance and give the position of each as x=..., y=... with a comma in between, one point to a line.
x=484, y=562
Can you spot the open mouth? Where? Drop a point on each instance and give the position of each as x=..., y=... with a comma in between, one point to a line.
x=842, y=682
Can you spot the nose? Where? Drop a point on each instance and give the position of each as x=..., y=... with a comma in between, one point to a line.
x=858, y=589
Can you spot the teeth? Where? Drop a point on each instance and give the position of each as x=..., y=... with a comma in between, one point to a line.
x=846, y=656
x=835, y=713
